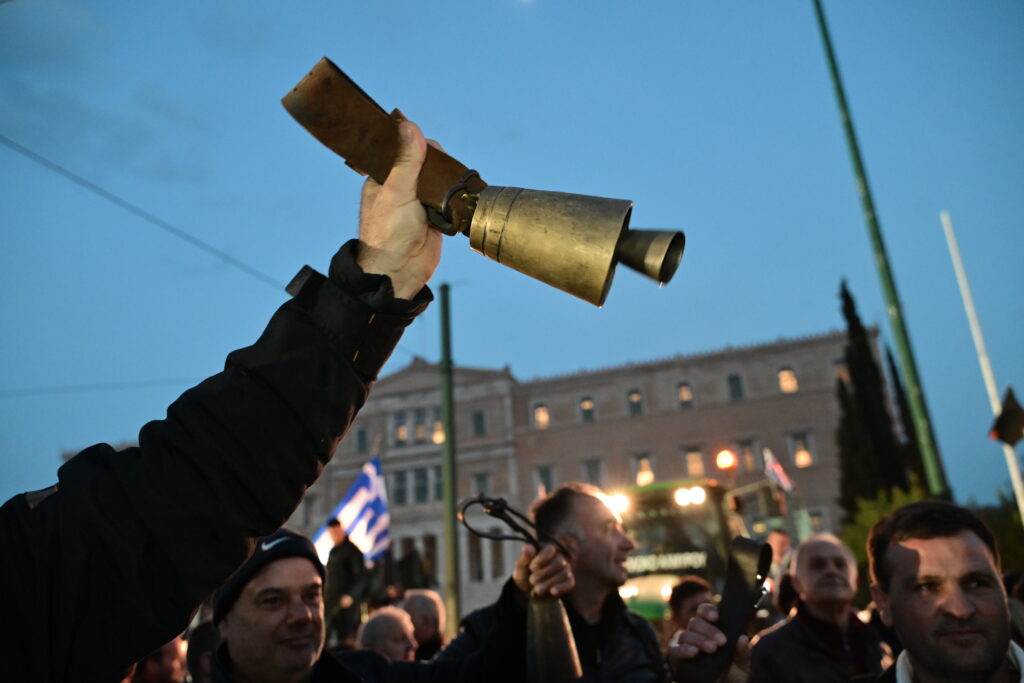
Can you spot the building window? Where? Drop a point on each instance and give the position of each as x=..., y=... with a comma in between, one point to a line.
x=407, y=544
x=401, y=487
x=694, y=462
x=544, y=477
x=476, y=559
x=419, y=421
x=801, y=449
x=362, y=440
x=643, y=469
x=438, y=482
x=787, y=380
x=438, y=433
x=586, y=409
x=419, y=485
x=735, y=387
x=497, y=555
x=481, y=483
x=401, y=430
x=479, y=423
x=541, y=417
x=750, y=461
x=592, y=471
x=635, y=402
x=685, y=393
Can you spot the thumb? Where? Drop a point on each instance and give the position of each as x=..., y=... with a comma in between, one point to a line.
x=412, y=150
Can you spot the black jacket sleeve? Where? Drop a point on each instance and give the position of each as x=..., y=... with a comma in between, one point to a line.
x=111, y=564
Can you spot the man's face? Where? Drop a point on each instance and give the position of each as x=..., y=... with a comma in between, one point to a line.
x=688, y=607
x=399, y=644
x=424, y=627
x=337, y=534
x=825, y=574
x=170, y=666
x=602, y=554
x=948, y=606
x=779, y=543
x=275, y=630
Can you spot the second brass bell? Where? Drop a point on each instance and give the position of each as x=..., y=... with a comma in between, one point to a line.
x=569, y=241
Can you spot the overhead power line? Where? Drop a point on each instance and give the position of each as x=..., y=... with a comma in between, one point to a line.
x=81, y=388
x=141, y=213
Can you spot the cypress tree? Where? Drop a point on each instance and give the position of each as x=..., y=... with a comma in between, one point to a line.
x=911, y=451
x=869, y=453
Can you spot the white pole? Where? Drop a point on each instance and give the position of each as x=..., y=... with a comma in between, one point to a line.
x=979, y=345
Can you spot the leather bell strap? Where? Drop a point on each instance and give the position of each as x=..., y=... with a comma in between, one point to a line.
x=339, y=114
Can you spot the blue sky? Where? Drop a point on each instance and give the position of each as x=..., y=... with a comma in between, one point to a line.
x=716, y=118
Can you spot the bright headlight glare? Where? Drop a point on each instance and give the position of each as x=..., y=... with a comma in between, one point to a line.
x=683, y=497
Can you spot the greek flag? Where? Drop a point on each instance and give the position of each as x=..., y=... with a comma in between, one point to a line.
x=363, y=514
x=773, y=470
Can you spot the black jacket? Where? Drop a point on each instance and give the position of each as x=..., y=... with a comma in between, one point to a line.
x=887, y=676
x=346, y=575
x=621, y=647
x=804, y=649
x=111, y=562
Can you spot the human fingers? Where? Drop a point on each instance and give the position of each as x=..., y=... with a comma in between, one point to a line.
x=691, y=642
x=551, y=573
x=741, y=657
x=701, y=632
x=404, y=175
x=521, y=572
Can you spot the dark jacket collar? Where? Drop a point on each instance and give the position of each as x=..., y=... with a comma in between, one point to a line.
x=326, y=670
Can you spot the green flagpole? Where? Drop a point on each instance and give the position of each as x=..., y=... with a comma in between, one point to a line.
x=934, y=472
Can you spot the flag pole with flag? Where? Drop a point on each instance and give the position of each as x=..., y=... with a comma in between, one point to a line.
x=363, y=514
x=798, y=512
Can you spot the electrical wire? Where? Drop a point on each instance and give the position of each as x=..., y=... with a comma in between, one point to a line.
x=141, y=213
x=84, y=388
x=154, y=220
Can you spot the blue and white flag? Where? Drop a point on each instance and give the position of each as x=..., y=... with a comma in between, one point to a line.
x=363, y=514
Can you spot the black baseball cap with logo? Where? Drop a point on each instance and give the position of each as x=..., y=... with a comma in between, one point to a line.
x=278, y=545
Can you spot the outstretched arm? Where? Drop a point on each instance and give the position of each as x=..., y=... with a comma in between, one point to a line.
x=115, y=559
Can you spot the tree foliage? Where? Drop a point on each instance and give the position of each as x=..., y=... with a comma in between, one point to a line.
x=868, y=512
x=870, y=455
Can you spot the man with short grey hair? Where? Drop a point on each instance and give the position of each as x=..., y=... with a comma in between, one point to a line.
x=426, y=608
x=389, y=633
x=822, y=641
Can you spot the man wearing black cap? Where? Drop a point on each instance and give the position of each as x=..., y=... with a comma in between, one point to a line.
x=270, y=613
x=270, y=616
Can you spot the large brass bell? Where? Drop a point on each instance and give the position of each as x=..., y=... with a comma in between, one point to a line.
x=569, y=241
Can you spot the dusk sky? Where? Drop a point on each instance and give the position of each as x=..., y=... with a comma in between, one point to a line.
x=716, y=118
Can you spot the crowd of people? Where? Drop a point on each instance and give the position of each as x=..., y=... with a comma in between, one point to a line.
x=940, y=612
x=106, y=569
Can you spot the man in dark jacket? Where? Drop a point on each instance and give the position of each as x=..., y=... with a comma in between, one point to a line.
x=347, y=583
x=613, y=643
x=110, y=563
x=936, y=578
x=270, y=615
x=822, y=640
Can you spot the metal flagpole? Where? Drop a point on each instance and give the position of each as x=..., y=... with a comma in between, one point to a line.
x=934, y=473
x=979, y=346
x=450, y=493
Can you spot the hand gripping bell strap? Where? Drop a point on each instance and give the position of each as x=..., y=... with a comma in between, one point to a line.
x=339, y=114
